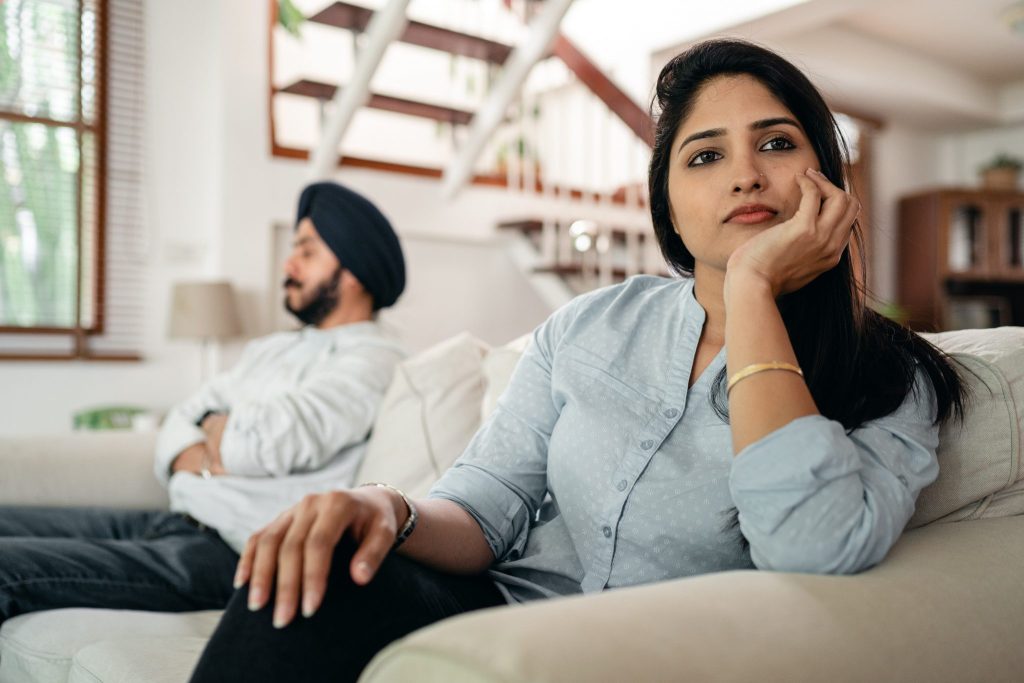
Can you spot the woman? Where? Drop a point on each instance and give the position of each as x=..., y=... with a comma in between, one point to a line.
x=620, y=452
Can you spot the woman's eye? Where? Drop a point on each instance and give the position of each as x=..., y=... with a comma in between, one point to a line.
x=704, y=157
x=777, y=144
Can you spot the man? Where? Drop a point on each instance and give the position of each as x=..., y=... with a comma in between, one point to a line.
x=291, y=418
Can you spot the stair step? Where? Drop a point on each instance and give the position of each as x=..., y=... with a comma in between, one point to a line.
x=346, y=16
x=576, y=269
x=535, y=225
x=436, y=112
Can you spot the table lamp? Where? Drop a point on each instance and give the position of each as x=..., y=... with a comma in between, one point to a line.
x=204, y=311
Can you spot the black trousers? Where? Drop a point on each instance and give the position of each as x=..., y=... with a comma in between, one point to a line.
x=122, y=559
x=351, y=626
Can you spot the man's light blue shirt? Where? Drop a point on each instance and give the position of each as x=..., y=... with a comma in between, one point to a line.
x=602, y=467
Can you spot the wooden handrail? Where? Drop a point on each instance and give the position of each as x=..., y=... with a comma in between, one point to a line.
x=621, y=104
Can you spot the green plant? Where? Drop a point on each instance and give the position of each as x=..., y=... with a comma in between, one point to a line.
x=1004, y=160
x=891, y=310
x=518, y=148
x=290, y=17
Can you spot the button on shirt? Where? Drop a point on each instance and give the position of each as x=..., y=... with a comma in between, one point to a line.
x=300, y=406
x=602, y=467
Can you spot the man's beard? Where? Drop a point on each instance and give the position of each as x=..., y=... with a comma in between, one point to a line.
x=323, y=304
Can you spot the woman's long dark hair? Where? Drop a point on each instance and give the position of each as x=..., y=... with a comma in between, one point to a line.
x=858, y=364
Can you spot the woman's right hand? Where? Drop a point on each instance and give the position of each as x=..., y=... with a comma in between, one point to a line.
x=299, y=544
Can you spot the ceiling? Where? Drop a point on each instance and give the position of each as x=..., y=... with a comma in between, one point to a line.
x=969, y=36
x=935, y=64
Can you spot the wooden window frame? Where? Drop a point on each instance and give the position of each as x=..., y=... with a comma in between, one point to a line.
x=99, y=130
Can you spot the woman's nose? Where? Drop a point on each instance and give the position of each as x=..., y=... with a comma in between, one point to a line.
x=748, y=178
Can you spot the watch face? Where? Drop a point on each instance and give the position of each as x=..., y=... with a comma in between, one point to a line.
x=202, y=418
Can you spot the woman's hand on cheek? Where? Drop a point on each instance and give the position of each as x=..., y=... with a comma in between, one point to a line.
x=789, y=255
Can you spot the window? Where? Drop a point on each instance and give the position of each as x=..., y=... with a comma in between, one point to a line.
x=55, y=288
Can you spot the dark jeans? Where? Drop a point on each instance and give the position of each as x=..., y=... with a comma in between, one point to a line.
x=123, y=559
x=351, y=626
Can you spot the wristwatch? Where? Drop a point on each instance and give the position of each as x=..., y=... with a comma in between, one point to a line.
x=410, y=521
x=202, y=418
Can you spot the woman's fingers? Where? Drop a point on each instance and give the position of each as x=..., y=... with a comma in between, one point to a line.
x=376, y=545
x=244, y=568
x=845, y=226
x=264, y=562
x=810, y=201
x=289, y=562
x=336, y=512
x=836, y=201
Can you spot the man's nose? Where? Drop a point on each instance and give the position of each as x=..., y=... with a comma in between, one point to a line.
x=289, y=267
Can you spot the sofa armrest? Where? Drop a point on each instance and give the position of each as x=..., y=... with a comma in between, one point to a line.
x=946, y=605
x=109, y=469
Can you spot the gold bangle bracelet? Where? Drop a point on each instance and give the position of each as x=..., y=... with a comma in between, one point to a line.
x=761, y=367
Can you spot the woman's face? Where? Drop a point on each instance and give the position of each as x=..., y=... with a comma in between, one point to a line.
x=733, y=168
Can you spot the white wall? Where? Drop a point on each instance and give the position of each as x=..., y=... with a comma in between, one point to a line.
x=212, y=193
x=963, y=154
x=904, y=160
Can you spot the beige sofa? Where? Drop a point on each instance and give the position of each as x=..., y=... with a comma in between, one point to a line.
x=946, y=605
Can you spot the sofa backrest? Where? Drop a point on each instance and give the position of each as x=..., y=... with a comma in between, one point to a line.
x=428, y=415
x=439, y=398
x=980, y=468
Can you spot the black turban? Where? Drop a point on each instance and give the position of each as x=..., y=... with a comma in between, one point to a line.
x=359, y=235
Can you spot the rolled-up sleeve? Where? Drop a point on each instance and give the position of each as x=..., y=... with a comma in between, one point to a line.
x=812, y=498
x=179, y=430
x=501, y=478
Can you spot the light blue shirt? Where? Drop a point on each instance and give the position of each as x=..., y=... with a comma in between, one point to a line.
x=601, y=467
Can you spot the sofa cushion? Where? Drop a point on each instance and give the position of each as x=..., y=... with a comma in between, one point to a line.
x=39, y=647
x=498, y=367
x=980, y=469
x=132, y=660
x=428, y=415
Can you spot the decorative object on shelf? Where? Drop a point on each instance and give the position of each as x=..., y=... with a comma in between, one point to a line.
x=977, y=312
x=204, y=311
x=107, y=417
x=1001, y=173
x=964, y=228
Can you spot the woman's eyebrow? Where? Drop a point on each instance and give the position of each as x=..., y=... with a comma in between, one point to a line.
x=768, y=123
x=756, y=125
x=713, y=133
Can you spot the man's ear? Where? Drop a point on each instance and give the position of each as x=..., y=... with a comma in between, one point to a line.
x=349, y=283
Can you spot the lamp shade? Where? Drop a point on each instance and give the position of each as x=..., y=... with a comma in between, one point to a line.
x=204, y=310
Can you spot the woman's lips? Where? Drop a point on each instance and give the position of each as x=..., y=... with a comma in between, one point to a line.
x=752, y=217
